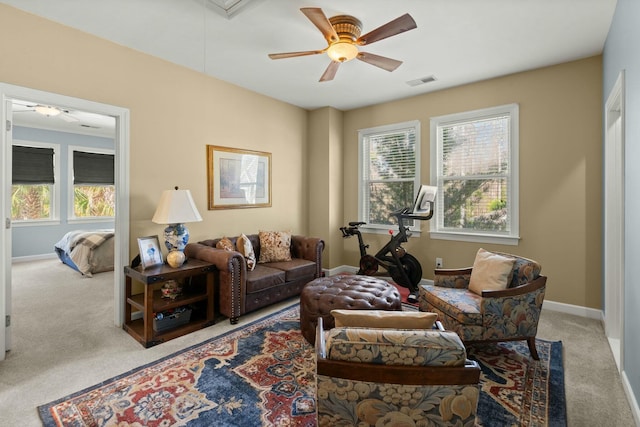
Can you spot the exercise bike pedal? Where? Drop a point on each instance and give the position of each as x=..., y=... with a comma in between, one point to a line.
x=412, y=298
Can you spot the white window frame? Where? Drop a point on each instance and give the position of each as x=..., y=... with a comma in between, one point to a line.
x=71, y=216
x=55, y=188
x=437, y=230
x=362, y=202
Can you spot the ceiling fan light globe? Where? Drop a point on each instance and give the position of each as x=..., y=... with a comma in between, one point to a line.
x=342, y=51
x=46, y=110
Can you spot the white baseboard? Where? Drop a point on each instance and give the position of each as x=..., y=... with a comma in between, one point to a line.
x=590, y=313
x=633, y=403
x=30, y=258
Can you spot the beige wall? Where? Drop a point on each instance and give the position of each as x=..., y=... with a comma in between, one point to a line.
x=326, y=184
x=560, y=172
x=175, y=113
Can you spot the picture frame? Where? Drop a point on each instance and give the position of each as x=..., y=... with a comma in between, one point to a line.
x=424, y=200
x=238, y=178
x=150, y=252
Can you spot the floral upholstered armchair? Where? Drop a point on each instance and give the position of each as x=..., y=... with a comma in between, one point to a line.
x=390, y=377
x=498, y=299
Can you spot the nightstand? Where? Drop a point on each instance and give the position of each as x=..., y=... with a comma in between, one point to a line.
x=198, y=297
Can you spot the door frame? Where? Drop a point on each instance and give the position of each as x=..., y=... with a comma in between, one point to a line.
x=9, y=92
x=614, y=252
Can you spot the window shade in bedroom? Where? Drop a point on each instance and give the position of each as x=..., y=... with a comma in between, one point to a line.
x=92, y=168
x=32, y=165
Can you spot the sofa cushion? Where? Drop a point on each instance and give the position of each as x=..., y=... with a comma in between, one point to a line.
x=491, y=272
x=460, y=304
x=395, y=346
x=263, y=277
x=295, y=269
x=275, y=246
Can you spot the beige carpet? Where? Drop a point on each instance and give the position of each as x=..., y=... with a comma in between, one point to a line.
x=64, y=341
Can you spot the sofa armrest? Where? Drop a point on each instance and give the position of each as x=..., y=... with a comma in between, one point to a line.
x=309, y=248
x=231, y=276
x=527, y=288
x=219, y=257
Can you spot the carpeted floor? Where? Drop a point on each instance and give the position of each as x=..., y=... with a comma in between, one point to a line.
x=263, y=374
x=64, y=340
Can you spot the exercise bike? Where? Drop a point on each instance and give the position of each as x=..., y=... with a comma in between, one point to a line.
x=403, y=267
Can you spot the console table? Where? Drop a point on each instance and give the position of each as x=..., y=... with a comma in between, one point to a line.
x=150, y=301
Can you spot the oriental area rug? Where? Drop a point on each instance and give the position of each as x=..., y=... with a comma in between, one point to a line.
x=263, y=374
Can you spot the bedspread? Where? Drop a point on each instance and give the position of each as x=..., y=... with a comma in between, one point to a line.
x=81, y=246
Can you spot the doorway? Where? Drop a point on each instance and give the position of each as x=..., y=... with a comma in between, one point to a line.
x=614, y=221
x=9, y=93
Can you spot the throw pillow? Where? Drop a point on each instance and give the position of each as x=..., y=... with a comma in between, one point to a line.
x=275, y=246
x=384, y=319
x=490, y=272
x=225, y=244
x=244, y=246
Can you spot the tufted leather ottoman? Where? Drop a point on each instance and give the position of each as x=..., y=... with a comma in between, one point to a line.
x=324, y=294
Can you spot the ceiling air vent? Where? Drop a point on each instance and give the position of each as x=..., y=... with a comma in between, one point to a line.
x=228, y=8
x=421, y=81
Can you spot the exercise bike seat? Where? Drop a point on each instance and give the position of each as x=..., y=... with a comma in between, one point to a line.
x=356, y=224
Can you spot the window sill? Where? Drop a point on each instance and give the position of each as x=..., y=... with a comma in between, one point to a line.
x=34, y=223
x=90, y=219
x=477, y=238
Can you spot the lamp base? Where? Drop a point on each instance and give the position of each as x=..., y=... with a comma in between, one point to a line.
x=176, y=237
x=175, y=258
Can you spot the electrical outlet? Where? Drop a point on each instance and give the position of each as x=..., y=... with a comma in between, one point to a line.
x=438, y=262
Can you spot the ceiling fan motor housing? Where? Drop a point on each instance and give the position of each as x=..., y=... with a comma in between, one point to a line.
x=348, y=29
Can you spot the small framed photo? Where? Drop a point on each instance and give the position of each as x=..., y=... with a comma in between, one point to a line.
x=150, y=253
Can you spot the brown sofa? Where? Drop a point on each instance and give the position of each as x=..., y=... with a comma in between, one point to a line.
x=241, y=291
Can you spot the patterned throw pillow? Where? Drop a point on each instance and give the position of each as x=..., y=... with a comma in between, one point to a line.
x=244, y=246
x=275, y=246
x=225, y=244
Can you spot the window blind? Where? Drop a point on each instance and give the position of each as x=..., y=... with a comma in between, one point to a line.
x=389, y=168
x=93, y=168
x=32, y=165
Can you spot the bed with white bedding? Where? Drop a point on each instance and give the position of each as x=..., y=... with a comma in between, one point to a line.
x=87, y=251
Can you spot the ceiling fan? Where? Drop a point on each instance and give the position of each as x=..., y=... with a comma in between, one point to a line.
x=342, y=33
x=45, y=110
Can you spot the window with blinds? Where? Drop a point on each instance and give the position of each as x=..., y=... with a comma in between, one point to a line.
x=389, y=172
x=93, y=183
x=34, y=170
x=475, y=168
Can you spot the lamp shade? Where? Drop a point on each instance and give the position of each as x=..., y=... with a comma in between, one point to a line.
x=176, y=207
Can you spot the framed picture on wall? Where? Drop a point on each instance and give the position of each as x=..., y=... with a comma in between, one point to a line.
x=150, y=253
x=238, y=178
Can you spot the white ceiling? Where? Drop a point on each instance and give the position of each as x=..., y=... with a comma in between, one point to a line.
x=456, y=41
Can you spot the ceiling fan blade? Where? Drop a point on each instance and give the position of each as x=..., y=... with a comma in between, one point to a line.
x=294, y=54
x=319, y=19
x=379, y=61
x=330, y=72
x=397, y=26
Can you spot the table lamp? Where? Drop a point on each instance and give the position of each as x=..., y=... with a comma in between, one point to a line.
x=176, y=207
